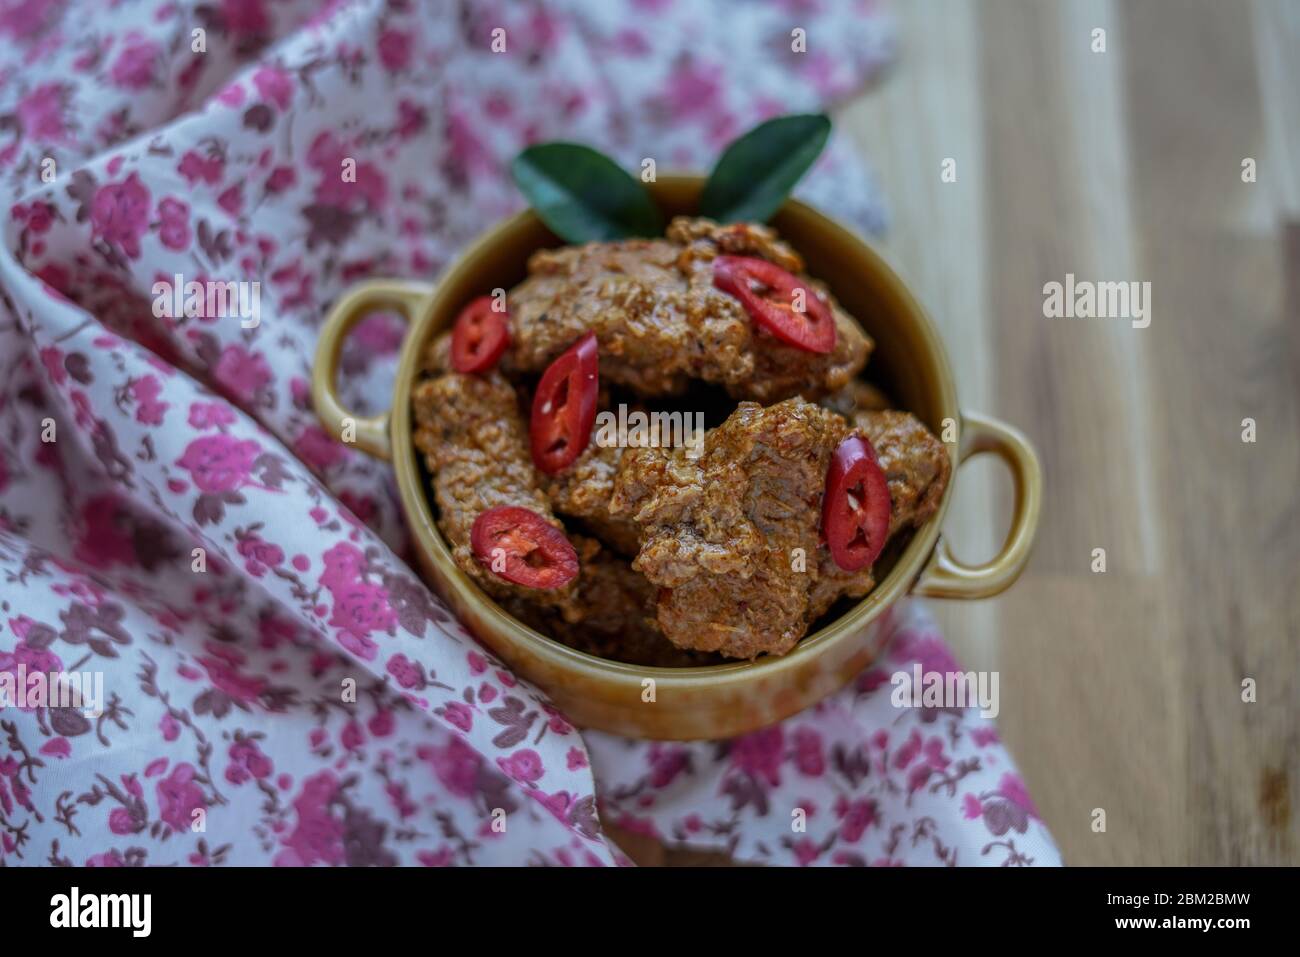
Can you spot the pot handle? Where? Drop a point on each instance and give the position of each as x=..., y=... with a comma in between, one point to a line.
x=947, y=577
x=368, y=433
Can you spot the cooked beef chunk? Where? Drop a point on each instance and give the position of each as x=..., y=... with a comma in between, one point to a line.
x=915, y=463
x=583, y=491
x=619, y=618
x=729, y=557
x=733, y=538
x=475, y=447
x=660, y=321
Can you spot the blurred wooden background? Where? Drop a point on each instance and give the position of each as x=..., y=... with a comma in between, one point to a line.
x=1122, y=690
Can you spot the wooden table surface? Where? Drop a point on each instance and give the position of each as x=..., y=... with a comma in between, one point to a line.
x=1120, y=690
x=1123, y=690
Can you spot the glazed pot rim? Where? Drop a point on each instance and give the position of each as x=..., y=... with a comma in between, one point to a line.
x=417, y=505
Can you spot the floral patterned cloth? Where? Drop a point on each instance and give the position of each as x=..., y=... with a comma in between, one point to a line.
x=278, y=687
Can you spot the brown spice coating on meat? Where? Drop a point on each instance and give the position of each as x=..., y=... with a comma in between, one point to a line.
x=720, y=533
x=916, y=464
x=916, y=468
x=857, y=396
x=619, y=620
x=475, y=446
x=715, y=536
x=437, y=355
x=583, y=491
x=661, y=322
x=705, y=239
x=780, y=371
x=657, y=326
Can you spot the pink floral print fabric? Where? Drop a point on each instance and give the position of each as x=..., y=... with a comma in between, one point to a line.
x=278, y=686
x=853, y=781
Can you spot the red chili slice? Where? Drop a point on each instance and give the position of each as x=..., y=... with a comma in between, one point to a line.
x=479, y=338
x=855, y=507
x=564, y=407
x=768, y=294
x=533, y=552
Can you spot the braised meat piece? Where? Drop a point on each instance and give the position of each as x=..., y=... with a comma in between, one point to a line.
x=915, y=463
x=475, y=447
x=661, y=322
x=780, y=371
x=857, y=396
x=619, y=620
x=916, y=468
x=729, y=555
x=583, y=491
x=733, y=539
x=704, y=239
x=437, y=355
x=657, y=327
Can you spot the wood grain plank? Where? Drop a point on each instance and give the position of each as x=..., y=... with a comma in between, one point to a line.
x=1059, y=374
x=1091, y=712
x=1221, y=354
x=1121, y=691
x=1091, y=691
x=936, y=243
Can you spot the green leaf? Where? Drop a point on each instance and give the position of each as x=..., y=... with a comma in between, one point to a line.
x=583, y=195
x=756, y=172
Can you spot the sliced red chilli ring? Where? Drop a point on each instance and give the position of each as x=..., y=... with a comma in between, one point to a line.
x=778, y=301
x=564, y=406
x=480, y=337
x=855, y=506
x=519, y=546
